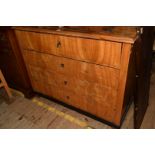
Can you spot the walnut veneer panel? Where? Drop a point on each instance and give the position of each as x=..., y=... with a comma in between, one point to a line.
x=89, y=50
x=105, y=76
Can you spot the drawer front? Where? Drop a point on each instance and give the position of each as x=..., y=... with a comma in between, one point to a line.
x=80, y=94
x=104, y=76
x=89, y=50
x=79, y=86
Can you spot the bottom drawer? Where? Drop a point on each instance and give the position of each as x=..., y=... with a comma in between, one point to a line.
x=100, y=101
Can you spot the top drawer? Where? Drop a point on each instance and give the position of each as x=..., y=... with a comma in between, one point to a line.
x=95, y=51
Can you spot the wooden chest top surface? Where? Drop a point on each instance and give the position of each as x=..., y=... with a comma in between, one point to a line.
x=125, y=34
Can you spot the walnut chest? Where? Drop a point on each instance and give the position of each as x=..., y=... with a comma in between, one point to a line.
x=89, y=68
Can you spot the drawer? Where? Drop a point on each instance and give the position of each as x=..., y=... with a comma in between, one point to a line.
x=79, y=85
x=96, y=100
x=95, y=51
x=104, y=76
x=90, y=50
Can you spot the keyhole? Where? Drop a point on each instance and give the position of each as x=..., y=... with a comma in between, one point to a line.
x=67, y=97
x=65, y=82
x=58, y=44
x=62, y=65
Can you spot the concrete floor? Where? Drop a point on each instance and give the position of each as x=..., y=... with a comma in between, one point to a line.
x=40, y=112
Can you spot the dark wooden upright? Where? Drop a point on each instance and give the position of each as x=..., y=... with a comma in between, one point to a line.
x=11, y=62
x=143, y=50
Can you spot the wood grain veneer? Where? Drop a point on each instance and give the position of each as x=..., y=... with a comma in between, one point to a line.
x=104, y=76
x=89, y=50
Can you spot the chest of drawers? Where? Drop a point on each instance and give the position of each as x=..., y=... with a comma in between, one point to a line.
x=90, y=71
